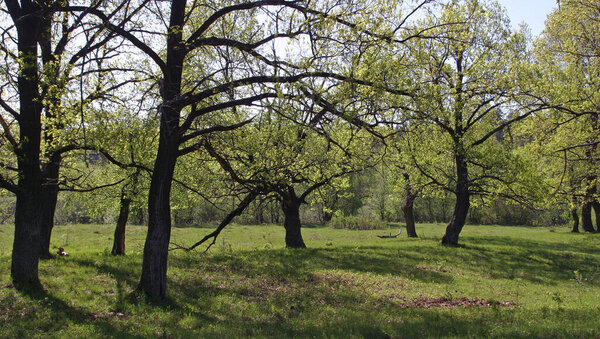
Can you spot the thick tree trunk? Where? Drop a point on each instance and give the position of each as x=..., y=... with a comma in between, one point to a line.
x=154, y=266
x=26, y=249
x=156, y=248
x=596, y=206
x=586, y=217
x=461, y=208
x=409, y=218
x=575, y=220
x=291, y=209
x=119, y=238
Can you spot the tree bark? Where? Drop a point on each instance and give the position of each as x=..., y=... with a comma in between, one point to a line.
x=26, y=249
x=461, y=208
x=409, y=218
x=154, y=265
x=119, y=238
x=156, y=248
x=575, y=220
x=586, y=217
x=596, y=207
x=48, y=209
x=408, y=208
x=290, y=204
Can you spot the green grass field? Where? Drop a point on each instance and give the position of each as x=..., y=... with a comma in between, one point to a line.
x=505, y=282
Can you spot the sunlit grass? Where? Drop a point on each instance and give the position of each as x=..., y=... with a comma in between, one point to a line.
x=346, y=284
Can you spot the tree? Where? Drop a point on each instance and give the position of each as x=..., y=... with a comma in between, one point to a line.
x=568, y=55
x=471, y=89
x=40, y=44
x=292, y=159
x=194, y=87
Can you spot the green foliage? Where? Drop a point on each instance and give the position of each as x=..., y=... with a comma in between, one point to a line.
x=357, y=222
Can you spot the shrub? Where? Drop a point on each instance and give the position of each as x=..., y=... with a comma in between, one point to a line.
x=357, y=223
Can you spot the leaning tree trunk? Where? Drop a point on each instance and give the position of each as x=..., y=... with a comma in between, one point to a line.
x=461, y=208
x=119, y=238
x=575, y=220
x=290, y=205
x=586, y=217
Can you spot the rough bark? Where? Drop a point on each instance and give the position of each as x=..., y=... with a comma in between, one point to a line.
x=156, y=248
x=26, y=249
x=119, y=237
x=461, y=208
x=290, y=205
x=586, y=217
x=575, y=220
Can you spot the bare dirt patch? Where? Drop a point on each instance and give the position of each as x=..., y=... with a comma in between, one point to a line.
x=444, y=302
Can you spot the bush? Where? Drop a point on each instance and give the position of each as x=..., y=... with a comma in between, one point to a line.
x=357, y=223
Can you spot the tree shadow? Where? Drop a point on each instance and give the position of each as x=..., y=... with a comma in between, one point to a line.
x=63, y=315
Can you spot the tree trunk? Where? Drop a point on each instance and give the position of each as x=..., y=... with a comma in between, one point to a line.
x=48, y=209
x=596, y=206
x=409, y=218
x=156, y=248
x=461, y=208
x=575, y=220
x=119, y=238
x=28, y=222
x=408, y=208
x=154, y=265
x=26, y=249
x=291, y=209
x=586, y=217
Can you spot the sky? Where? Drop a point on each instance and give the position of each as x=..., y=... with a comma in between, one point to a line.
x=532, y=12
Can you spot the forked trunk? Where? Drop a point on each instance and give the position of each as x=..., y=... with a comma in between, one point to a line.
x=119, y=238
x=291, y=209
x=575, y=220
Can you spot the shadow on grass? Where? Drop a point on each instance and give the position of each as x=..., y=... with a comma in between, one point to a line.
x=61, y=316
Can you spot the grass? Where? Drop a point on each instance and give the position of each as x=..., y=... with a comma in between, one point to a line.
x=538, y=282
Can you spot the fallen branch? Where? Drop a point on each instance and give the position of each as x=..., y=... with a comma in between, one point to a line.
x=390, y=236
x=240, y=208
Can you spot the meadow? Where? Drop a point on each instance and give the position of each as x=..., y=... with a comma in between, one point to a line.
x=504, y=282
